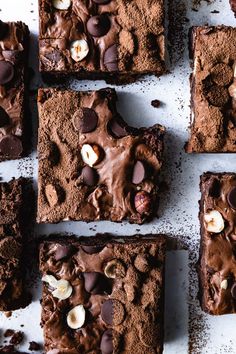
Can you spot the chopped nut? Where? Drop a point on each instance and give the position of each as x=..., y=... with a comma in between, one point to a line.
x=214, y=221
x=62, y=287
x=114, y=269
x=90, y=154
x=79, y=49
x=61, y=4
x=142, y=202
x=76, y=317
x=141, y=263
x=51, y=194
x=224, y=284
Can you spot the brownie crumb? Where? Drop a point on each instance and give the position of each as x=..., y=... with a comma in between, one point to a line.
x=8, y=314
x=9, y=333
x=7, y=349
x=17, y=338
x=34, y=346
x=156, y=103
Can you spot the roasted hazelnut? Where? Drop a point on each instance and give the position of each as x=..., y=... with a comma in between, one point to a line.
x=142, y=202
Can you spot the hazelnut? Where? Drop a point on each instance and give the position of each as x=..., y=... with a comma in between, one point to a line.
x=61, y=4
x=51, y=195
x=142, y=202
x=90, y=154
x=62, y=288
x=141, y=263
x=79, y=49
x=114, y=269
x=76, y=317
x=214, y=221
x=224, y=284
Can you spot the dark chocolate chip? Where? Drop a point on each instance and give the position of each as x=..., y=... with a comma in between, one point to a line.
x=116, y=129
x=138, y=172
x=6, y=72
x=10, y=145
x=4, y=117
x=215, y=188
x=98, y=25
x=96, y=283
x=62, y=252
x=89, y=120
x=233, y=291
x=3, y=29
x=92, y=249
x=106, y=345
x=89, y=175
x=231, y=197
x=110, y=59
x=107, y=312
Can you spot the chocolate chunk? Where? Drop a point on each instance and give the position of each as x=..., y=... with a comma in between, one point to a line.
x=62, y=252
x=89, y=120
x=217, y=96
x=222, y=74
x=92, y=249
x=3, y=29
x=6, y=72
x=107, y=312
x=233, y=291
x=117, y=129
x=9, y=248
x=106, y=345
x=10, y=145
x=4, y=117
x=33, y=346
x=110, y=59
x=96, y=283
x=215, y=188
x=231, y=197
x=142, y=202
x=138, y=172
x=89, y=175
x=98, y=25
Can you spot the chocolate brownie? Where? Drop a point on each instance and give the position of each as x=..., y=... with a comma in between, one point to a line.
x=103, y=294
x=14, y=41
x=110, y=39
x=92, y=165
x=12, y=239
x=213, y=94
x=217, y=263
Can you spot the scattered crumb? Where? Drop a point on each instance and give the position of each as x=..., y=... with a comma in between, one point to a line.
x=215, y=12
x=156, y=103
x=8, y=314
x=9, y=333
x=34, y=346
x=17, y=338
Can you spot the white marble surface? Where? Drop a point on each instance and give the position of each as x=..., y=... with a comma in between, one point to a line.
x=179, y=206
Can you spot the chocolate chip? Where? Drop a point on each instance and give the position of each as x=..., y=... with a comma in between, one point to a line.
x=138, y=172
x=98, y=25
x=4, y=117
x=89, y=175
x=110, y=58
x=89, y=120
x=96, y=283
x=62, y=252
x=92, y=249
x=107, y=312
x=10, y=145
x=106, y=345
x=217, y=96
x=215, y=188
x=116, y=128
x=3, y=29
x=231, y=197
x=233, y=291
x=142, y=202
x=6, y=72
x=222, y=74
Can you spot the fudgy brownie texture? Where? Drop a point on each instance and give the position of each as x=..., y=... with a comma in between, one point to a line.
x=103, y=294
x=213, y=90
x=217, y=263
x=12, y=239
x=96, y=39
x=93, y=166
x=14, y=41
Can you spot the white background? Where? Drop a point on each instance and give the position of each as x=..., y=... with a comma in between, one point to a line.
x=188, y=330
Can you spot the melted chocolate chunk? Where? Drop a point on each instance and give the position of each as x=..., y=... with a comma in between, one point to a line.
x=98, y=25
x=92, y=249
x=117, y=129
x=4, y=27
x=215, y=188
x=90, y=176
x=89, y=120
x=111, y=58
x=6, y=72
x=233, y=290
x=62, y=252
x=107, y=342
x=4, y=117
x=107, y=312
x=96, y=283
x=231, y=197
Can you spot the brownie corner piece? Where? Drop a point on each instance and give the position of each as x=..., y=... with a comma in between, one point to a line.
x=217, y=275
x=14, y=126
x=13, y=196
x=213, y=85
x=113, y=299
x=92, y=165
x=111, y=39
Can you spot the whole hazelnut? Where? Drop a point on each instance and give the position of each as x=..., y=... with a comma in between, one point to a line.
x=142, y=202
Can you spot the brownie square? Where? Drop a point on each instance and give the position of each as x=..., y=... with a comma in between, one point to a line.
x=217, y=270
x=213, y=99
x=110, y=39
x=92, y=165
x=12, y=239
x=14, y=41
x=103, y=294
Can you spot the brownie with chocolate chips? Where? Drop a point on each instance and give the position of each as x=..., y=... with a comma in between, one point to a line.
x=217, y=263
x=213, y=90
x=115, y=40
x=92, y=165
x=103, y=294
x=14, y=41
x=13, y=196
